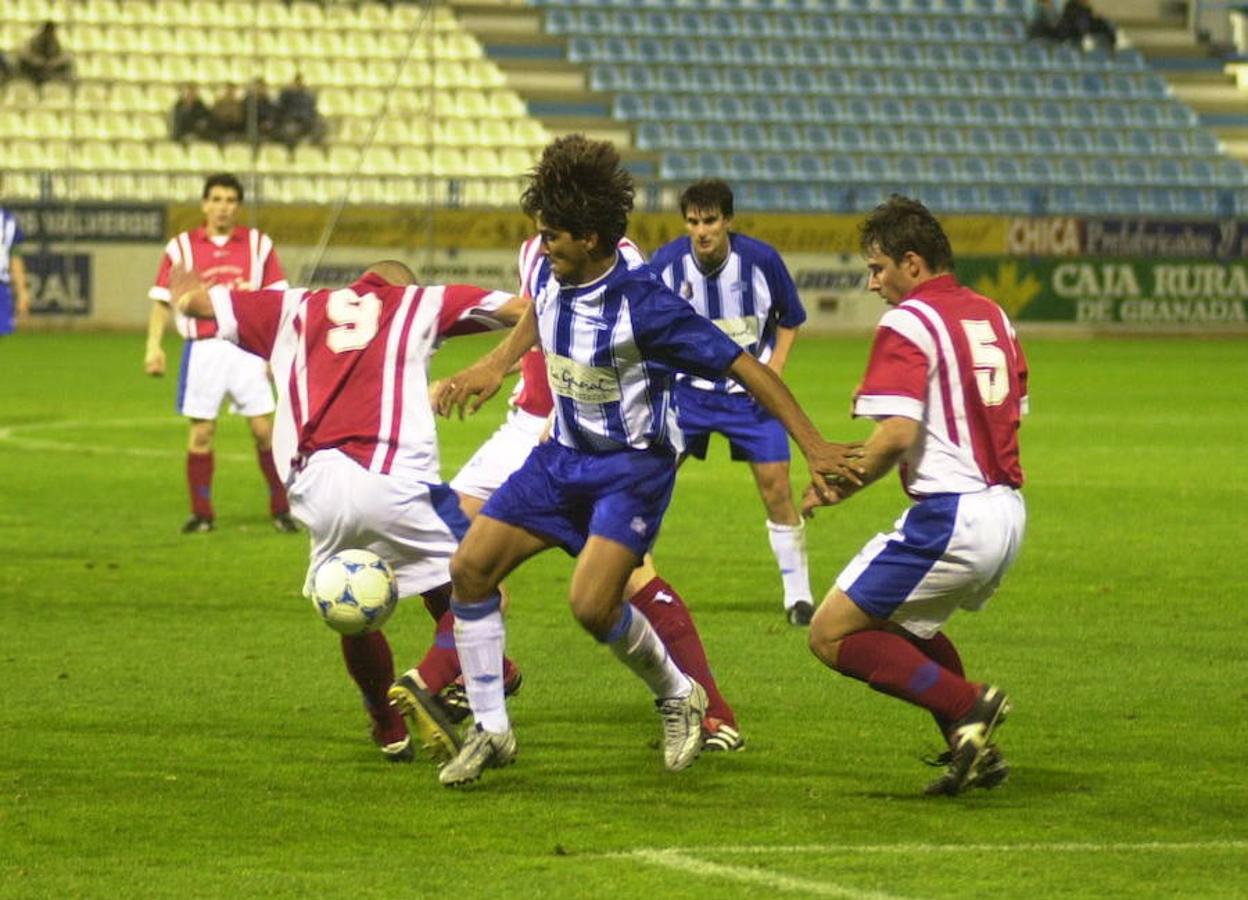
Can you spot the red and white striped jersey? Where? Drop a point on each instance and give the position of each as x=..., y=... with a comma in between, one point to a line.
x=351, y=365
x=243, y=259
x=949, y=358
x=532, y=391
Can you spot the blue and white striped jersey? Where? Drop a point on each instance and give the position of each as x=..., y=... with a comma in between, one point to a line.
x=612, y=348
x=747, y=297
x=10, y=236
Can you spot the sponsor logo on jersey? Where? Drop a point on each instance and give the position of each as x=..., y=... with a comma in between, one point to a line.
x=584, y=384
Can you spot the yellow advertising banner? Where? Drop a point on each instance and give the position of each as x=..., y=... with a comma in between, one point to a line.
x=410, y=228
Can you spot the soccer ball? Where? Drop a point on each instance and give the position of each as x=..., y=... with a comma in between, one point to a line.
x=354, y=591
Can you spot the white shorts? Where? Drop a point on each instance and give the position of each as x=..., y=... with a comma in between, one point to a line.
x=213, y=370
x=505, y=451
x=413, y=525
x=948, y=552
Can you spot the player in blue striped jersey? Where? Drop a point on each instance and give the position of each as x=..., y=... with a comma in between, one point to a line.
x=743, y=287
x=614, y=338
x=12, y=274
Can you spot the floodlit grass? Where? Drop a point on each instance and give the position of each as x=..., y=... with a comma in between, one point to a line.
x=176, y=723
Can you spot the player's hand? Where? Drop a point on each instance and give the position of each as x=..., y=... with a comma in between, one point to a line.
x=832, y=460
x=812, y=499
x=466, y=390
x=184, y=283
x=154, y=362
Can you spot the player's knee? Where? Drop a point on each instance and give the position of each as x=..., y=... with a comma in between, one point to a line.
x=469, y=577
x=596, y=618
x=824, y=643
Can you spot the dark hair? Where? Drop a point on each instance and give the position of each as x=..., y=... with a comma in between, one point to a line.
x=579, y=186
x=225, y=180
x=901, y=225
x=709, y=193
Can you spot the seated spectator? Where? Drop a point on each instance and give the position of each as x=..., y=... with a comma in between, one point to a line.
x=259, y=112
x=1078, y=21
x=43, y=59
x=190, y=117
x=1044, y=22
x=297, y=116
x=227, y=119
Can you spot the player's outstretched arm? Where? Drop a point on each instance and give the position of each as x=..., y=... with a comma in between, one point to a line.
x=891, y=438
x=824, y=458
x=472, y=386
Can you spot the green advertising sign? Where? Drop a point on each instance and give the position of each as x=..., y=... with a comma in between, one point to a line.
x=1161, y=292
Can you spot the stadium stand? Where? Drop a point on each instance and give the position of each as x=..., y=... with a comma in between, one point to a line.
x=826, y=88
x=449, y=113
x=816, y=105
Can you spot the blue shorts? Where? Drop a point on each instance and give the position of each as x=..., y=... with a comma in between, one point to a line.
x=6, y=309
x=754, y=435
x=568, y=495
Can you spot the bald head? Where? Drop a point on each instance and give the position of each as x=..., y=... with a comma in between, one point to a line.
x=392, y=271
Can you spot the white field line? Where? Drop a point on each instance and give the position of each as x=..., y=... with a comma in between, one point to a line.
x=680, y=862
x=921, y=849
x=18, y=436
x=682, y=859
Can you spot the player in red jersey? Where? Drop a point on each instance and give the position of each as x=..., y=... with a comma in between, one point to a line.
x=214, y=370
x=947, y=386
x=356, y=441
x=531, y=405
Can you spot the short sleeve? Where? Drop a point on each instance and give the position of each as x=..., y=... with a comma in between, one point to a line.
x=669, y=331
x=895, y=383
x=784, y=297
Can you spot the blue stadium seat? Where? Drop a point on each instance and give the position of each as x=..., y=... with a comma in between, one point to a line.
x=995, y=84
x=981, y=140
x=754, y=136
x=1141, y=142
x=1201, y=172
x=989, y=112
x=1073, y=170
x=1082, y=114
x=684, y=135
x=809, y=167
x=774, y=81
x=834, y=81
x=947, y=140
x=1108, y=142
x=810, y=54
x=942, y=169
x=651, y=136
x=957, y=84
x=722, y=136
x=729, y=107
x=925, y=111
x=1078, y=142
x=630, y=106
x=1104, y=171
x=957, y=112
x=851, y=138
x=1013, y=141
x=1115, y=115
x=1006, y=170
x=1168, y=171
x=819, y=138
x=677, y=167
x=845, y=169
x=1136, y=172
x=666, y=107
x=973, y=169
x=786, y=136
x=1046, y=141
x=830, y=109
x=967, y=198
x=713, y=165
x=743, y=165
x=653, y=50
x=1038, y=170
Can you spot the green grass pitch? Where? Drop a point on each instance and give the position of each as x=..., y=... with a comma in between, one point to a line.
x=176, y=723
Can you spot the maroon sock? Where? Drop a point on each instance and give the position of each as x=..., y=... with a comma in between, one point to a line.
x=441, y=663
x=199, y=480
x=371, y=666
x=940, y=650
x=892, y=665
x=277, y=491
x=668, y=615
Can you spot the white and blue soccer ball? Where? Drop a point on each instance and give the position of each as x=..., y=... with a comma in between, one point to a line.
x=354, y=591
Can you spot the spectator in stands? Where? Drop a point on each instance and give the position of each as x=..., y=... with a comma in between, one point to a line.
x=259, y=112
x=297, y=116
x=227, y=115
x=1044, y=22
x=1078, y=21
x=191, y=117
x=43, y=59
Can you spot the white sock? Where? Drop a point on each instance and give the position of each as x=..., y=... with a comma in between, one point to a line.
x=788, y=545
x=479, y=642
x=637, y=645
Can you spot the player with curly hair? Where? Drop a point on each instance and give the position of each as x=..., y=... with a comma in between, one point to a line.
x=613, y=337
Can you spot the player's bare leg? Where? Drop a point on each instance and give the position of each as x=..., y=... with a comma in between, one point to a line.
x=670, y=617
x=787, y=535
x=598, y=581
x=199, y=467
x=262, y=433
